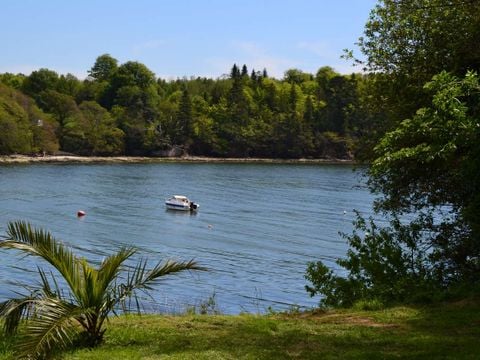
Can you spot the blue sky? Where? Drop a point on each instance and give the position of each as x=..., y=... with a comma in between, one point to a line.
x=179, y=38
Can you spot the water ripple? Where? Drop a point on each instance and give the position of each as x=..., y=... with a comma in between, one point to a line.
x=258, y=224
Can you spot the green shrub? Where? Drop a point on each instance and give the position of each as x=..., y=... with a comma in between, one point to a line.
x=389, y=264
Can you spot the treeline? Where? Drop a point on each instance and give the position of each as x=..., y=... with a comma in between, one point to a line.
x=125, y=109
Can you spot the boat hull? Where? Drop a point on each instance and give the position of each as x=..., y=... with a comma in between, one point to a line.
x=181, y=203
x=179, y=207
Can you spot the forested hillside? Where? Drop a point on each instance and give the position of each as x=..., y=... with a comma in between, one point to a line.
x=125, y=109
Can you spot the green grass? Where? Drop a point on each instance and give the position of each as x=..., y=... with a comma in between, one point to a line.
x=441, y=332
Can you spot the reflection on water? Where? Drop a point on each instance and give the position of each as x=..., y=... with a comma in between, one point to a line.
x=257, y=227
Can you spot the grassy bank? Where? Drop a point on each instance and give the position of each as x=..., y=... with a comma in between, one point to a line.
x=441, y=332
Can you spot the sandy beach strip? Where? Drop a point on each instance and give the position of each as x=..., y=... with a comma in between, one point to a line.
x=24, y=159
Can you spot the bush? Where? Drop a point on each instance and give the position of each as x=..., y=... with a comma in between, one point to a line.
x=389, y=265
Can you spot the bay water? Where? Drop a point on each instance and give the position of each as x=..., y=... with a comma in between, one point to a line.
x=257, y=227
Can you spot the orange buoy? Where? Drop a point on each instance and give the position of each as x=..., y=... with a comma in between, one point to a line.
x=80, y=213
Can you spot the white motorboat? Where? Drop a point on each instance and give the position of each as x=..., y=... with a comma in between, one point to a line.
x=182, y=203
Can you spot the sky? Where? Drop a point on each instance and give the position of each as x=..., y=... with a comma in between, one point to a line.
x=180, y=38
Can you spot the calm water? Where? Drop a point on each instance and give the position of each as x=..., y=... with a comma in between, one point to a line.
x=258, y=224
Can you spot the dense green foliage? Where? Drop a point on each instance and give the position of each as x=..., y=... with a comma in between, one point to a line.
x=429, y=166
x=406, y=43
x=428, y=169
x=125, y=109
x=24, y=128
x=55, y=317
x=424, y=166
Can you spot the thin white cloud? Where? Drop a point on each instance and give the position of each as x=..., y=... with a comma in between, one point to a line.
x=257, y=57
x=327, y=56
x=140, y=49
x=320, y=48
x=27, y=69
x=254, y=56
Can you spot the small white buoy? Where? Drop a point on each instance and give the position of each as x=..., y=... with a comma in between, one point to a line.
x=81, y=213
x=344, y=212
x=210, y=226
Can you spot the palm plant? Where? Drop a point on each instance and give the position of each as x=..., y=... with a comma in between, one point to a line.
x=53, y=318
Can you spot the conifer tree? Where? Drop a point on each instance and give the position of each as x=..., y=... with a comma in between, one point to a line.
x=244, y=71
x=235, y=72
x=184, y=117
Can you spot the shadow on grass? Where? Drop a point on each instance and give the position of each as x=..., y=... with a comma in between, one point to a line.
x=449, y=331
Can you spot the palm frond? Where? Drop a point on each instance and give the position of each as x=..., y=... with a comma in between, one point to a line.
x=142, y=279
x=51, y=326
x=47, y=288
x=110, y=268
x=14, y=310
x=171, y=267
x=22, y=236
x=52, y=318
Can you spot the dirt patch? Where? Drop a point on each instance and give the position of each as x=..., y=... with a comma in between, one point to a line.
x=336, y=318
x=366, y=322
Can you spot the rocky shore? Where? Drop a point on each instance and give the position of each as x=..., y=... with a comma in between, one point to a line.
x=24, y=159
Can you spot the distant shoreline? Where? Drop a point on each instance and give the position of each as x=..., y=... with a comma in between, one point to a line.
x=24, y=159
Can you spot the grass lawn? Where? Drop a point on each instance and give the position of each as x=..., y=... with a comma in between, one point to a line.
x=441, y=332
